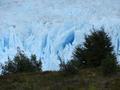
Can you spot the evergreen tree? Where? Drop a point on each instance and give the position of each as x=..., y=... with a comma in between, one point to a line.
x=9, y=67
x=97, y=51
x=37, y=64
x=79, y=57
x=97, y=46
x=21, y=63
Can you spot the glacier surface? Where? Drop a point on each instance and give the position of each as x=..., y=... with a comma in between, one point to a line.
x=52, y=28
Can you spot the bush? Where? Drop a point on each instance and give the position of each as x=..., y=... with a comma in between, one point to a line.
x=21, y=63
x=77, y=62
x=69, y=67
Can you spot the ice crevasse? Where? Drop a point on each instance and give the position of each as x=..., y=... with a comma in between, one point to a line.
x=52, y=28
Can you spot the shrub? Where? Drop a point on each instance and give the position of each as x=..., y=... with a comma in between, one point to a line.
x=69, y=67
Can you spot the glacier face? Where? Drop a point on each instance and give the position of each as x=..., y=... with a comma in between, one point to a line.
x=52, y=28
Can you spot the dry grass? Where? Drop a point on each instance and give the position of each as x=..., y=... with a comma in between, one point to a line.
x=85, y=80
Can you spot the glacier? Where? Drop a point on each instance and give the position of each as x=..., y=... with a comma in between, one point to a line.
x=52, y=28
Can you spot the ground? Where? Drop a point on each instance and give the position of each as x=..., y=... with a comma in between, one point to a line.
x=85, y=80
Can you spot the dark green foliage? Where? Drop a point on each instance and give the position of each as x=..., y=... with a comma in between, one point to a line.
x=97, y=46
x=109, y=65
x=37, y=64
x=21, y=63
x=79, y=57
x=97, y=51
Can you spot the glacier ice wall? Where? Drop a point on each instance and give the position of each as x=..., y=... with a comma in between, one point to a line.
x=52, y=28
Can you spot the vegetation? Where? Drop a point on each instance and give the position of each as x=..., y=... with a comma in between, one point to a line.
x=109, y=65
x=87, y=79
x=97, y=51
x=97, y=46
x=92, y=67
x=21, y=63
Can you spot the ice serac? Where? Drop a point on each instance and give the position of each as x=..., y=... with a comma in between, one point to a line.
x=52, y=28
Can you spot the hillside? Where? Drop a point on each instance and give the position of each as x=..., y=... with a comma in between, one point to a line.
x=85, y=80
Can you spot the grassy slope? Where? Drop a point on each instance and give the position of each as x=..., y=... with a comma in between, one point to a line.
x=85, y=80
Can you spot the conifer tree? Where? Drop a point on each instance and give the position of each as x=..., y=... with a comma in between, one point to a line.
x=97, y=51
x=97, y=46
x=21, y=63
